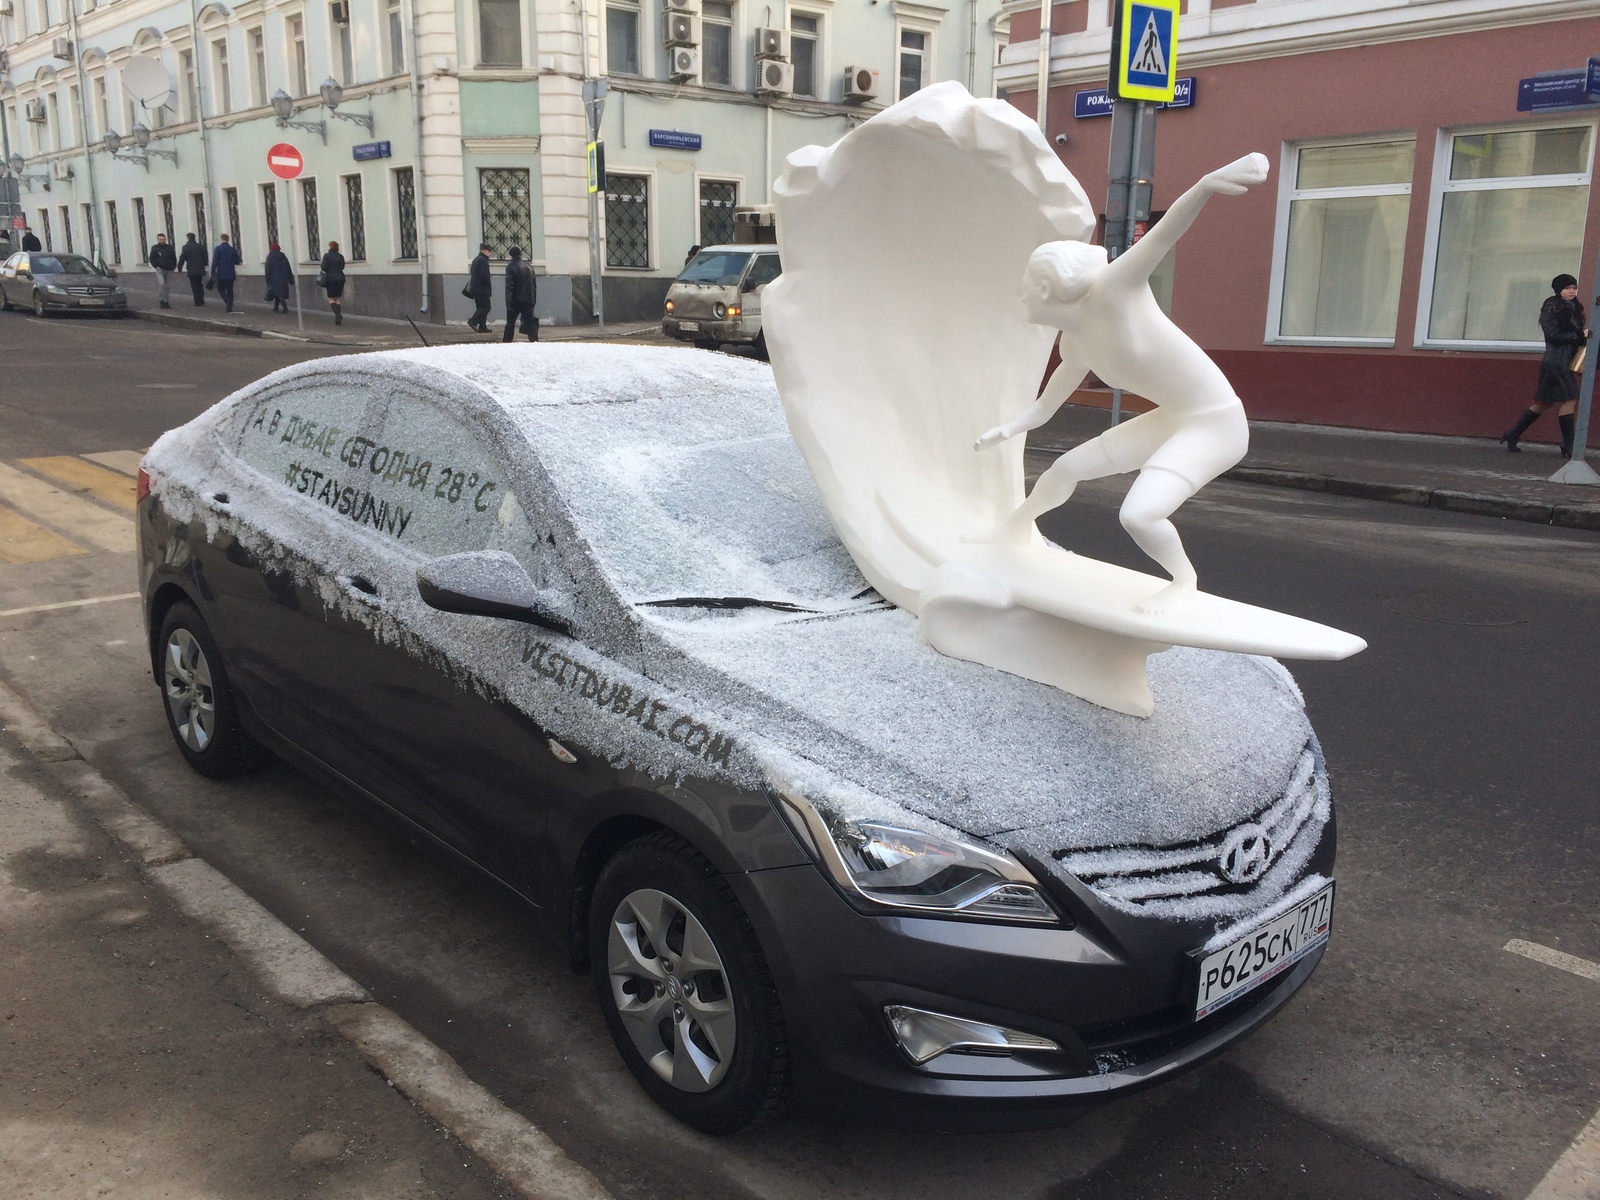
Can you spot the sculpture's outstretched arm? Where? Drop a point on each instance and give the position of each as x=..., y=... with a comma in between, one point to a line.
x=1068, y=375
x=1135, y=265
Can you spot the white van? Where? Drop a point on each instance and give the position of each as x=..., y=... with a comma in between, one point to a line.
x=716, y=300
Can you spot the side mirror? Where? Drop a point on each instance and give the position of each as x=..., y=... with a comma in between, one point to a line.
x=488, y=583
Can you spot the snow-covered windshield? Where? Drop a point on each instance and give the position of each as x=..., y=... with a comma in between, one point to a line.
x=722, y=267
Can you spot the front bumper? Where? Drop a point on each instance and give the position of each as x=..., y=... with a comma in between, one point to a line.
x=706, y=330
x=86, y=303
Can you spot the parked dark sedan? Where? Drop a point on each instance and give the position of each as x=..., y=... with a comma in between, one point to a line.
x=575, y=614
x=43, y=281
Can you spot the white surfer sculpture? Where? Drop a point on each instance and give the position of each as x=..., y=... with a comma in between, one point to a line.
x=899, y=338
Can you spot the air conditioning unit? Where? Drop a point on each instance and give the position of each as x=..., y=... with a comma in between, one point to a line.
x=772, y=43
x=61, y=48
x=681, y=29
x=683, y=6
x=685, y=65
x=774, y=77
x=756, y=225
x=34, y=111
x=860, y=83
x=62, y=171
x=339, y=12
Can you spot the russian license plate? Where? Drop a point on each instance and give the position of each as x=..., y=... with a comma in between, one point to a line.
x=91, y=302
x=689, y=326
x=1263, y=953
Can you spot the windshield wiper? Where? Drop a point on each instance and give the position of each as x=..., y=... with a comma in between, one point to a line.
x=725, y=602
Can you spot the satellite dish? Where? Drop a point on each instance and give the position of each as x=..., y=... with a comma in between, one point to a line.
x=147, y=81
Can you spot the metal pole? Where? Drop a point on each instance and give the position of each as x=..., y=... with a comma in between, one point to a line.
x=299, y=313
x=1577, y=471
x=420, y=188
x=200, y=116
x=1045, y=18
x=96, y=233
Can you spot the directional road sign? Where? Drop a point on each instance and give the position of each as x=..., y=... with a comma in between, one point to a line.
x=1144, y=63
x=284, y=161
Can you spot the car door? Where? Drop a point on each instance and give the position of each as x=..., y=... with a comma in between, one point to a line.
x=763, y=270
x=8, y=277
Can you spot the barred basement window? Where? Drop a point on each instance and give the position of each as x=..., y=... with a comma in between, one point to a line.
x=144, y=236
x=230, y=197
x=503, y=199
x=627, y=221
x=405, y=193
x=308, y=198
x=358, y=219
x=115, y=231
x=718, y=198
x=166, y=219
x=269, y=207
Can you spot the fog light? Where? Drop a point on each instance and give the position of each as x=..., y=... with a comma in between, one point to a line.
x=719, y=310
x=925, y=1035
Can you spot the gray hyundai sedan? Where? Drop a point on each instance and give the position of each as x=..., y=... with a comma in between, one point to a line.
x=575, y=615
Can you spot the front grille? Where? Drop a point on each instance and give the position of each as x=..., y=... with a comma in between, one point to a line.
x=88, y=291
x=1232, y=863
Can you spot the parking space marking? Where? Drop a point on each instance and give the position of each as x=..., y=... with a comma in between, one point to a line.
x=21, y=541
x=1555, y=958
x=111, y=486
x=84, y=519
x=33, y=608
x=125, y=461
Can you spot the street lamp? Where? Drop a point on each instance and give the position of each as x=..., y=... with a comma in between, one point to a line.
x=332, y=94
x=113, y=141
x=18, y=166
x=283, y=105
x=141, y=138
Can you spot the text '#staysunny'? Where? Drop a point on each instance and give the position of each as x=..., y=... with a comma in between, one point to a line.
x=361, y=507
x=620, y=699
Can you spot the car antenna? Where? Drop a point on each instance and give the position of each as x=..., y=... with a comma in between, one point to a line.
x=413, y=324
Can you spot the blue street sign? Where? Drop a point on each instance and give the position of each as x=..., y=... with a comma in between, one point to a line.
x=369, y=150
x=1097, y=102
x=671, y=139
x=1558, y=89
x=1592, y=82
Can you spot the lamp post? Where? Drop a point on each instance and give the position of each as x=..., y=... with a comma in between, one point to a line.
x=141, y=138
x=332, y=95
x=18, y=166
x=113, y=141
x=283, y=106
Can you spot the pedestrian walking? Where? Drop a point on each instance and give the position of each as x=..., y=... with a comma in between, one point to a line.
x=192, y=261
x=480, y=286
x=164, y=262
x=280, y=278
x=29, y=242
x=225, y=262
x=331, y=277
x=521, y=292
x=1566, y=334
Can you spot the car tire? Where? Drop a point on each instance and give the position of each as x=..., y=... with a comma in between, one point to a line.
x=201, y=711
x=675, y=1010
x=760, y=345
x=38, y=305
x=707, y=344
x=5, y=301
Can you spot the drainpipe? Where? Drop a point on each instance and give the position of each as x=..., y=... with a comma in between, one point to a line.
x=200, y=117
x=95, y=230
x=972, y=45
x=1044, y=65
x=421, y=184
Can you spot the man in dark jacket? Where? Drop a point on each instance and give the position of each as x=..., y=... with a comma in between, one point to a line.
x=192, y=259
x=225, y=262
x=163, y=261
x=30, y=243
x=521, y=291
x=480, y=286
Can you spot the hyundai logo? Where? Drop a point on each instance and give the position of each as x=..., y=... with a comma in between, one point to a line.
x=1246, y=854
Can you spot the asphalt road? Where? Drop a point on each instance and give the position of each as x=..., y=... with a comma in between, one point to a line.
x=1422, y=1059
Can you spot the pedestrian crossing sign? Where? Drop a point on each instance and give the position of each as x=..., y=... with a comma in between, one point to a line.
x=1144, y=53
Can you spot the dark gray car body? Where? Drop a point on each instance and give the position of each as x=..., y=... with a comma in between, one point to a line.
x=28, y=280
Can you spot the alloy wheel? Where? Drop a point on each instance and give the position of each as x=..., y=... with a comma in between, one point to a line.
x=38, y=305
x=671, y=990
x=190, y=698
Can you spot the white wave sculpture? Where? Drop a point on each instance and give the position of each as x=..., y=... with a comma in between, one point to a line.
x=899, y=337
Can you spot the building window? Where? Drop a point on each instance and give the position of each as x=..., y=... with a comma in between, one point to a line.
x=269, y=211
x=75, y=114
x=44, y=228
x=347, y=53
x=198, y=200
x=230, y=198
x=1342, y=237
x=308, y=201
x=96, y=251
x=913, y=61
x=405, y=198
x=259, y=93
x=219, y=71
x=1508, y=213
x=66, y=227
x=500, y=33
x=114, y=231
x=622, y=39
x=505, y=208
x=168, y=221
x=299, y=69
x=718, y=198
x=142, y=230
x=716, y=43
x=358, y=218
x=102, y=107
x=627, y=221
x=805, y=31
x=397, y=36
x=187, y=105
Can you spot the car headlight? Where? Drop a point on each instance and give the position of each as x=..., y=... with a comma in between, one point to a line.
x=670, y=307
x=933, y=874
x=719, y=310
x=56, y=288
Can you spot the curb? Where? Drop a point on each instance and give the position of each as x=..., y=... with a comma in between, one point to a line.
x=200, y=323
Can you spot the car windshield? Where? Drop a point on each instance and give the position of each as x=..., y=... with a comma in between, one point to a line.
x=62, y=264
x=722, y=267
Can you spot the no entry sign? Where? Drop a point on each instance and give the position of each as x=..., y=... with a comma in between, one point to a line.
x=284, y=161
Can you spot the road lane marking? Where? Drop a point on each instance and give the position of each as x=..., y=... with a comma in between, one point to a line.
x=111, y=486
x=126, y=461
x=21, y=541
x=84, y=519
x=1555, y=958
x=60, y=604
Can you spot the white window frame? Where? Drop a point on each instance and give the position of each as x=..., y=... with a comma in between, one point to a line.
x=642, y=11
x=824, y=18
x=1442, y=183
x=289, y=68
x=524, y=46
x=259, y=66
x=1288, y=170
x=929, y=31
x=652, y=216
x=713, y=177
x=736, y=41
x=392, y=213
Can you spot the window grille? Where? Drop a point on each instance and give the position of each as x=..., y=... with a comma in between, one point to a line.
x=230, y=197
x=44, y=228
x=269, y=207
x=200, y=221
x=166, y=219
x=504, y=200
x=139, y=224
x=358, y=219
x=627, y=221
x=717, y=201
x=405, y=192
x=308, y=198
x=96, y=251
x=66, y=227
x=115, y=231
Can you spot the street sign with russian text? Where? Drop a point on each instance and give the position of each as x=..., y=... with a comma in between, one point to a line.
x=1097, y=102
x=672, y=139
x=1557, y=89
x=1144, y=64
x=284, y=161
x=367, y=151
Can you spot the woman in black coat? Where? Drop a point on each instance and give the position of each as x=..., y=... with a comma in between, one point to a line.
x=280, y=278
x=333, y=279
x=1562, y=319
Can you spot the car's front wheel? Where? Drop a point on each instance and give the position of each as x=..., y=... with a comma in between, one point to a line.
x=38, y=304
x=5, y=301
x=685, y=988
x=201, y=712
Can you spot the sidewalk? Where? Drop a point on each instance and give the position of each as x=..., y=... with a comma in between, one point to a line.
x=1467, y=475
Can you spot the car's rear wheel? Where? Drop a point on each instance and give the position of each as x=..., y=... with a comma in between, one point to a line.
x=38, y=305
x=685, y=988
x=201, y=712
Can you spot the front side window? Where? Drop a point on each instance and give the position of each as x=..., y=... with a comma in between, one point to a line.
x=505, y=205
x=805, y=32
x=1344, y=237
x=627, y=221
x=622, y=39
x=1509, y=215
x=716, y=43
x=913, y=61
x=500, y=33
x=763, y=271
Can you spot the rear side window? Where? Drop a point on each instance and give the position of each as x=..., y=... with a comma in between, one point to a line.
x=303, y=438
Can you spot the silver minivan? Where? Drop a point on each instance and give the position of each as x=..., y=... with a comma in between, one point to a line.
x=716, y=300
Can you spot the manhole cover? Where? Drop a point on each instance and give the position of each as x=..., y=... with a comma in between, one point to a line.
x=1452, y=610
